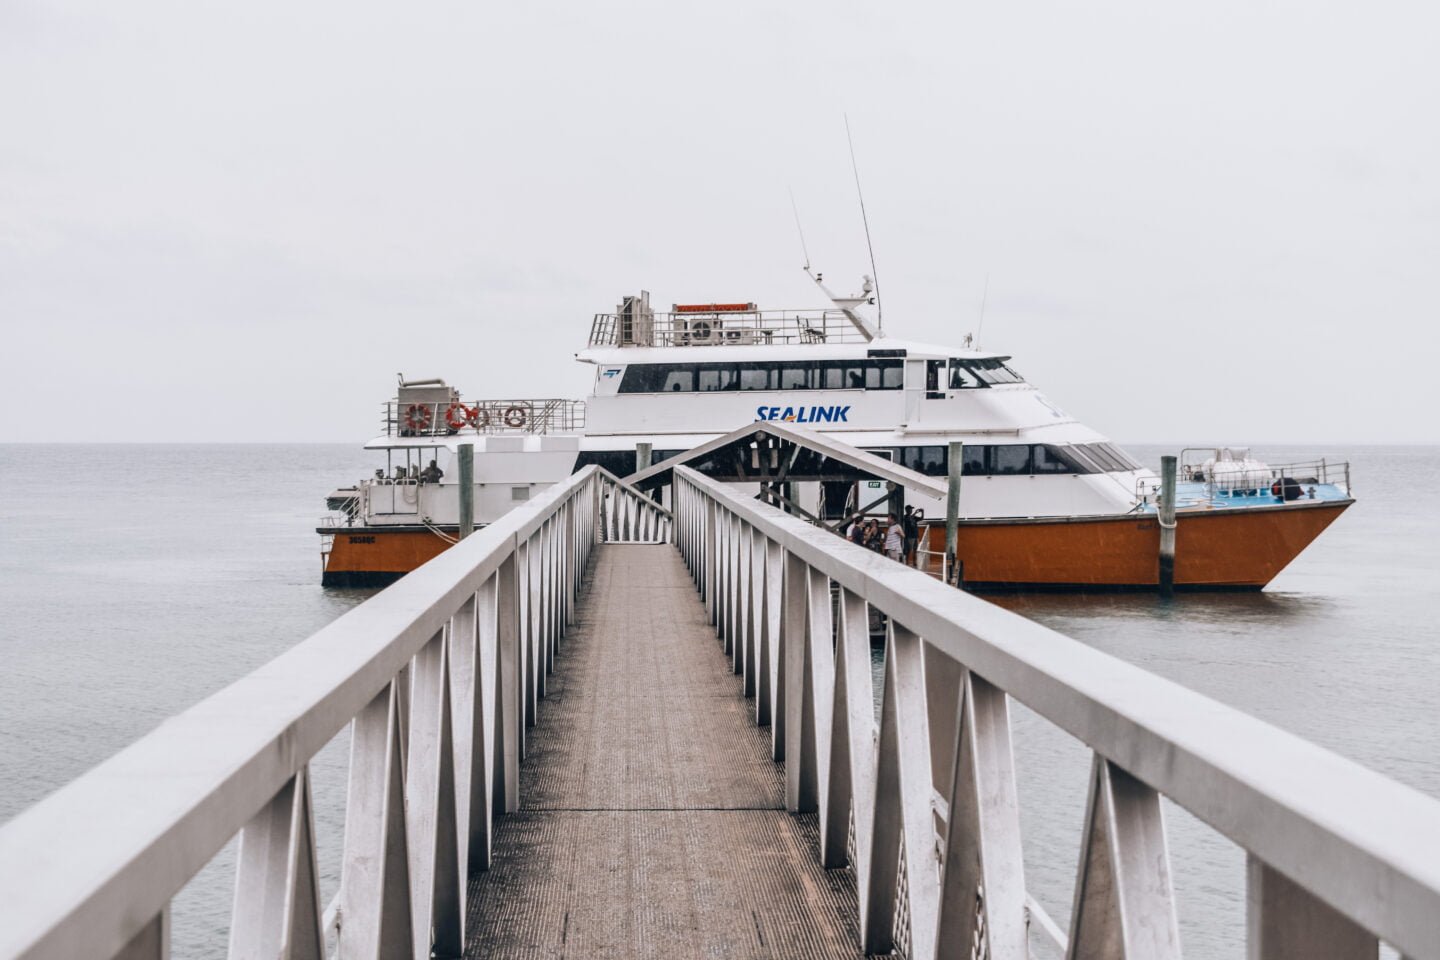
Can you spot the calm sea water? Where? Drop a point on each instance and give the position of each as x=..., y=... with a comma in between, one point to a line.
x=136, y=580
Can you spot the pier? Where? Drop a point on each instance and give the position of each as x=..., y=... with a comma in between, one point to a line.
x=602, y=727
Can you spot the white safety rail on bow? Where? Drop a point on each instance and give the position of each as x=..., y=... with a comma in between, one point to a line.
x=438, y=677
x=1339, y=857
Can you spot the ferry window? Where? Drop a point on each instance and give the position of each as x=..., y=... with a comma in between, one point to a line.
x=717, y=377
x=679, y=380
x=927, y=460
x=642, y=378
x=981, y=373
x=1087, y=463
x=842, y=375
x=1010, y=459
x=755, y=376
x=619, y=462
x=1047, y=459
x=884, y=375
x=973, y=458
x=657, y=378
x=1129, y=462
x=1101, y=455
x=519, y=493
x=960, y=377
x=994, y=371
x=796, y=376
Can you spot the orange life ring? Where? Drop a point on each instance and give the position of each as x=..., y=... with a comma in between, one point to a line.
x=1277, y=489
x=418, y=417
x=515, y=416
x=478, y=417
x=457, y=415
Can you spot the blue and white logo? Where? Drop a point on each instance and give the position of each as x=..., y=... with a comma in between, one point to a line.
x=831, y=414
x=612, y=372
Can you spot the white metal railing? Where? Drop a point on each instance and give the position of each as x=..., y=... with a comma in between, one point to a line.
x=449, y=418
x=437, y=676
x=724, y=327
x=1338, y=855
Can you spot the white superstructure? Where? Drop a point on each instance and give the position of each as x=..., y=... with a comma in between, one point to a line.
x=674, y=380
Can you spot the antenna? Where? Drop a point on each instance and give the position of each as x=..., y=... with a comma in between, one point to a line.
x=800, y=230
x=984, y=299
x=879, y=305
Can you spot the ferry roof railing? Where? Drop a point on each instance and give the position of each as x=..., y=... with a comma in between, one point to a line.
x=723, y=327
x=1246, y=478
x=442, y=669
x=1337, y=854
x=447, y=419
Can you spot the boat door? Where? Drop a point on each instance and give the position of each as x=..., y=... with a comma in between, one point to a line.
x=914, y=389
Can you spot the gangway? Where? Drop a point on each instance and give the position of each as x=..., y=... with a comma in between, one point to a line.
x=599, y=727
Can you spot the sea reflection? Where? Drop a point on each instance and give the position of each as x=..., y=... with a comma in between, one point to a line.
x=1249, y=609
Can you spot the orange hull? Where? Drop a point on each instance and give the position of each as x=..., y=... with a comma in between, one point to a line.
x=1236, y=549
x=364, y=557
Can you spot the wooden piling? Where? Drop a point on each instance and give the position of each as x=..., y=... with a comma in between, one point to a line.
x=466, y=452
x=1166, y=512
x=952, y=510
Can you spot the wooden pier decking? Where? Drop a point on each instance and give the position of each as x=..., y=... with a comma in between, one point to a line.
x=652, y=820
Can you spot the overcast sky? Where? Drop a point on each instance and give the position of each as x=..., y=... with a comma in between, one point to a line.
x=1201, y=222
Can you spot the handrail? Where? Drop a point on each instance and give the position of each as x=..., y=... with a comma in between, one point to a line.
x=490, y=416
x=1338, y=855
x=724, y=328
x=443, y=668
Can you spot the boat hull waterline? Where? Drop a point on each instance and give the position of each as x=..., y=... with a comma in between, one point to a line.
x=1241, y=549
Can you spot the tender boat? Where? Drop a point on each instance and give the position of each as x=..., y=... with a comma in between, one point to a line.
x=1046, y=501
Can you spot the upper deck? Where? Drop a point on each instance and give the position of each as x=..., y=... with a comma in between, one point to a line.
x=720, y=324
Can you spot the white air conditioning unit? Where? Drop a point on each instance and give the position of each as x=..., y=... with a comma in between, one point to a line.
x=701, y=332
x=740, y=335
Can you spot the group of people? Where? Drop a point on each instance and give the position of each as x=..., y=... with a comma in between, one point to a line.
x=897, y=539
x=430, y=474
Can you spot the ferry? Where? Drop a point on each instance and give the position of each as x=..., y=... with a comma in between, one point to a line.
x=1045, y=501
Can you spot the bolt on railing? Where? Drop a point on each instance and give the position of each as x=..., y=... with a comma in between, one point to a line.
x=438, y=678
x=1339, y=857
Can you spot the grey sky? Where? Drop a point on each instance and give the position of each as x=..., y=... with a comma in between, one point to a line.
x=1201, y=222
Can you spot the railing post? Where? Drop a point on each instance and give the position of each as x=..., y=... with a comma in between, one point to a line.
x=277, y=884
x=902, y=814
x=509, y=700
x=775, y=628
x=1124, y=903
x=982, y=830
x=479, y=715
x=815, y=685
x=152, y=942
x=1286, y=922
x=375, y=873
x=848, y=777
x=430, y=808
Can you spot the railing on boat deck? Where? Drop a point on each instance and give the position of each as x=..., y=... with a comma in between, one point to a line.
x=1307, y=473
x=723, y=328
x=437, y=676
x=1338, y=855
x=551, y=415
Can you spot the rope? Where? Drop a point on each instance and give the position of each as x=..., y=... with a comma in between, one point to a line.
x=438, y=532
